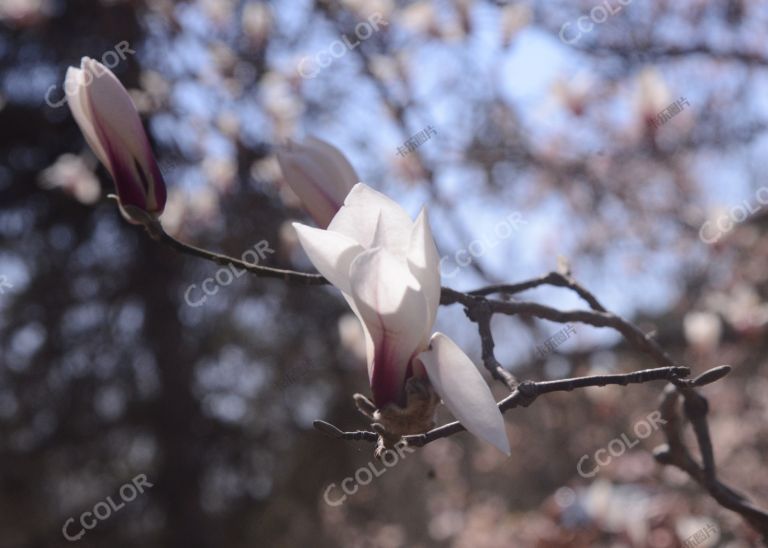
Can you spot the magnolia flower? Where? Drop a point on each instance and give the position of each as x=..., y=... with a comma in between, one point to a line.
x=319, y=174
x=111, y=125
x=387, y=268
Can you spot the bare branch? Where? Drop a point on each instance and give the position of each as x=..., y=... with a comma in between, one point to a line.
x=553, y=278
x=290, y=276
x=675, y=453
x=481, y=314
x=524, y=395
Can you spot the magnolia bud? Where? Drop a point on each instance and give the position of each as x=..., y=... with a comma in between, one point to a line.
x=111, y=125
x=319, y=174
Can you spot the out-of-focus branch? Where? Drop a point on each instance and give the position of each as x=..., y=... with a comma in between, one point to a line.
x=553, y=278
x=655, y=52
x=675, y=453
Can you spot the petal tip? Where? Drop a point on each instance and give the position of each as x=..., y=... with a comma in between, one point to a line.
x=502, y=443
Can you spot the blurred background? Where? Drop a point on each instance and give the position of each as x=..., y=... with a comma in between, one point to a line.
x=628, y=137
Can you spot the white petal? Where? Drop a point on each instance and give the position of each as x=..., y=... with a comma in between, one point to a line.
x=425, y=265
x=360, y=214
x=331, y=253
x=369, y=348
x=73, y=84
x=464, y=391
x=392, y=306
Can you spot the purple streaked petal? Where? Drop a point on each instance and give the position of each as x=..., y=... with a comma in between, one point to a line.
x=119, y=130
x=391, y=305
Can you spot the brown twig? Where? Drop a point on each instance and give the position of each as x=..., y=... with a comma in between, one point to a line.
x=290, y=276
x=481, y=314
x=524, y=395
x=595, y=318
x=675, y=453
x=553, y=278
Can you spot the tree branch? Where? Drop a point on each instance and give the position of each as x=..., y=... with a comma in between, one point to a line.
x=524, y=395
x=480, y=310
x=553, y=278
x=675, y=453
x=290, y=276
x=481, y=314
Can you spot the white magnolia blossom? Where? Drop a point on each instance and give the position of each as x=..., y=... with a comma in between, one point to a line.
x=387, y=267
